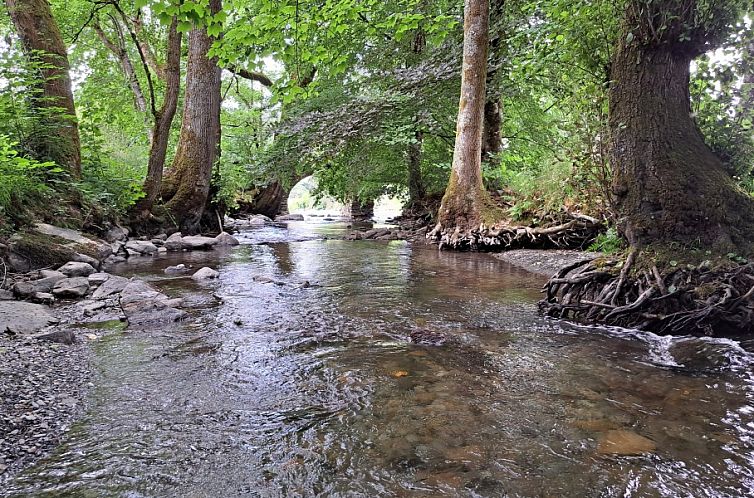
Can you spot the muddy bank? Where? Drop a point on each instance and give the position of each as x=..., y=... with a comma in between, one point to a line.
x=544, y=261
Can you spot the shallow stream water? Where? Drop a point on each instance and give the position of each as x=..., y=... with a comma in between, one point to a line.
x=398, y=371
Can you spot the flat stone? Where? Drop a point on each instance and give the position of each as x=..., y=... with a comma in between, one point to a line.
x=205, y=273
x=174, y=242
x=83, y=258
x=109, y=287
x=226, y=239
x=77, y=269
x=144, y=306
x=98, y=247
x=92, y=308
x=99, y=278
x=51, y=273
x=71, y=287
x=141, y=247
x=43, y=297
x=47, y=284
x=23, y=318
x=290, y=217
x=193, y=242
x=626, y=443
x=61, y=336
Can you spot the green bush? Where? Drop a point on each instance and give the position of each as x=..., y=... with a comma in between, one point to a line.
x=609, y=242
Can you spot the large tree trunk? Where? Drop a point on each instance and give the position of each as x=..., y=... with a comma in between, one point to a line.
x=492, y=142
x=669, y=186
x=163, y=122
x=188, y=184
x=464, y=205
x=40, y=36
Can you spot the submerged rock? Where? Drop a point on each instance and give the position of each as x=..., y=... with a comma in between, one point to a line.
x=23, y=318
x=71, y=287
x=144, y=306
x=76, y=269
x=205, y=273
x=625, y=443
x=176, y=270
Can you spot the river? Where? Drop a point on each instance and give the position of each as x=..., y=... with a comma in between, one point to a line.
x=319, y=367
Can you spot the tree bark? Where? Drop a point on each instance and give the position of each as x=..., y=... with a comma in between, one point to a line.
x=492, y=141
x=464, y=203
x=43, y=44
x=119, y=50
x=163, y=122
x=669, y=186
x=188, y=184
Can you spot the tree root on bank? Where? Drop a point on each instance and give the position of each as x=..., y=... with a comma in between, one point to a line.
x=694, y=300
x=575, y=233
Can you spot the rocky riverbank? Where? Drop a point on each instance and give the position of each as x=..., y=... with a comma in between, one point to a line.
x=544, y=261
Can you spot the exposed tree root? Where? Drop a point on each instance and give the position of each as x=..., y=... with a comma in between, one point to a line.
x=575, y=232
x=694, y=300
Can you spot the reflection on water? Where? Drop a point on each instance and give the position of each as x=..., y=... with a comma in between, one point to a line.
x=340, y=389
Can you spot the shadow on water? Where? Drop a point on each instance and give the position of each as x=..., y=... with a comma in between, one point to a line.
x=398, y=371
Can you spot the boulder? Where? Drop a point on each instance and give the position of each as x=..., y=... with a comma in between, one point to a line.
x=46, y=284
x=193, y=242
x=226, y=239
x=205, y=273
x=174, y=242
x=109, y=287
x=76, y=269
x=157, y=242
x=290, y=217
x=259, y=219
x=23, y=318
x=71, y=287
x=161, y=237
x=141, y=247
x=61, y=336
x=51, y=273
x=113, y=259
x=144, y=306
x=6, y=295
x=116, y=233
x=99, y=278
x=83, y=258
x=47, y=245
x=43, y=297
x=23, y=289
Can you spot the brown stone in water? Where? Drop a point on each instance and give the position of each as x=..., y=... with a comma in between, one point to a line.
x=595, y=425
x=627, y=443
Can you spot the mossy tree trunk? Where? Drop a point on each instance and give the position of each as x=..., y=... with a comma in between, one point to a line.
x=464, y=205
x=492, y=142
x=187, y=186
x=58, y=140
x=669, y=186
x=163, y=121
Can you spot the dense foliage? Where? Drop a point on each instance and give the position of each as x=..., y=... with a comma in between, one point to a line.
x=350, y=91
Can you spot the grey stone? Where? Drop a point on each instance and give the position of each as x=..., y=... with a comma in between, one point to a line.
x=99, y=278
x=259, y=219
x=112, y=285
x=113, y=259
x=162, y=237
x=98, y=247
x=161, y=250
x=23, y=289
x=226, y=239
x=118, y=247
x=43, y=297
x=205, y=273
x=83, y=258
x=6, y=295
x=116, y=233
x=51, y=273
x=158, y=242
x=144, y=306
x=61, y=336
x=71, y=287
x=23, y=318
x=76, y=269
x=176, y=270
x=290, y=217
x=193, y=242
x=47, y=284
x=92, y=308
x=141, y=247
x=174, y=242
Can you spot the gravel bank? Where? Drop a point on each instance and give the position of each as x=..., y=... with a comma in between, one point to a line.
x=544, y=262
x=42, y=390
